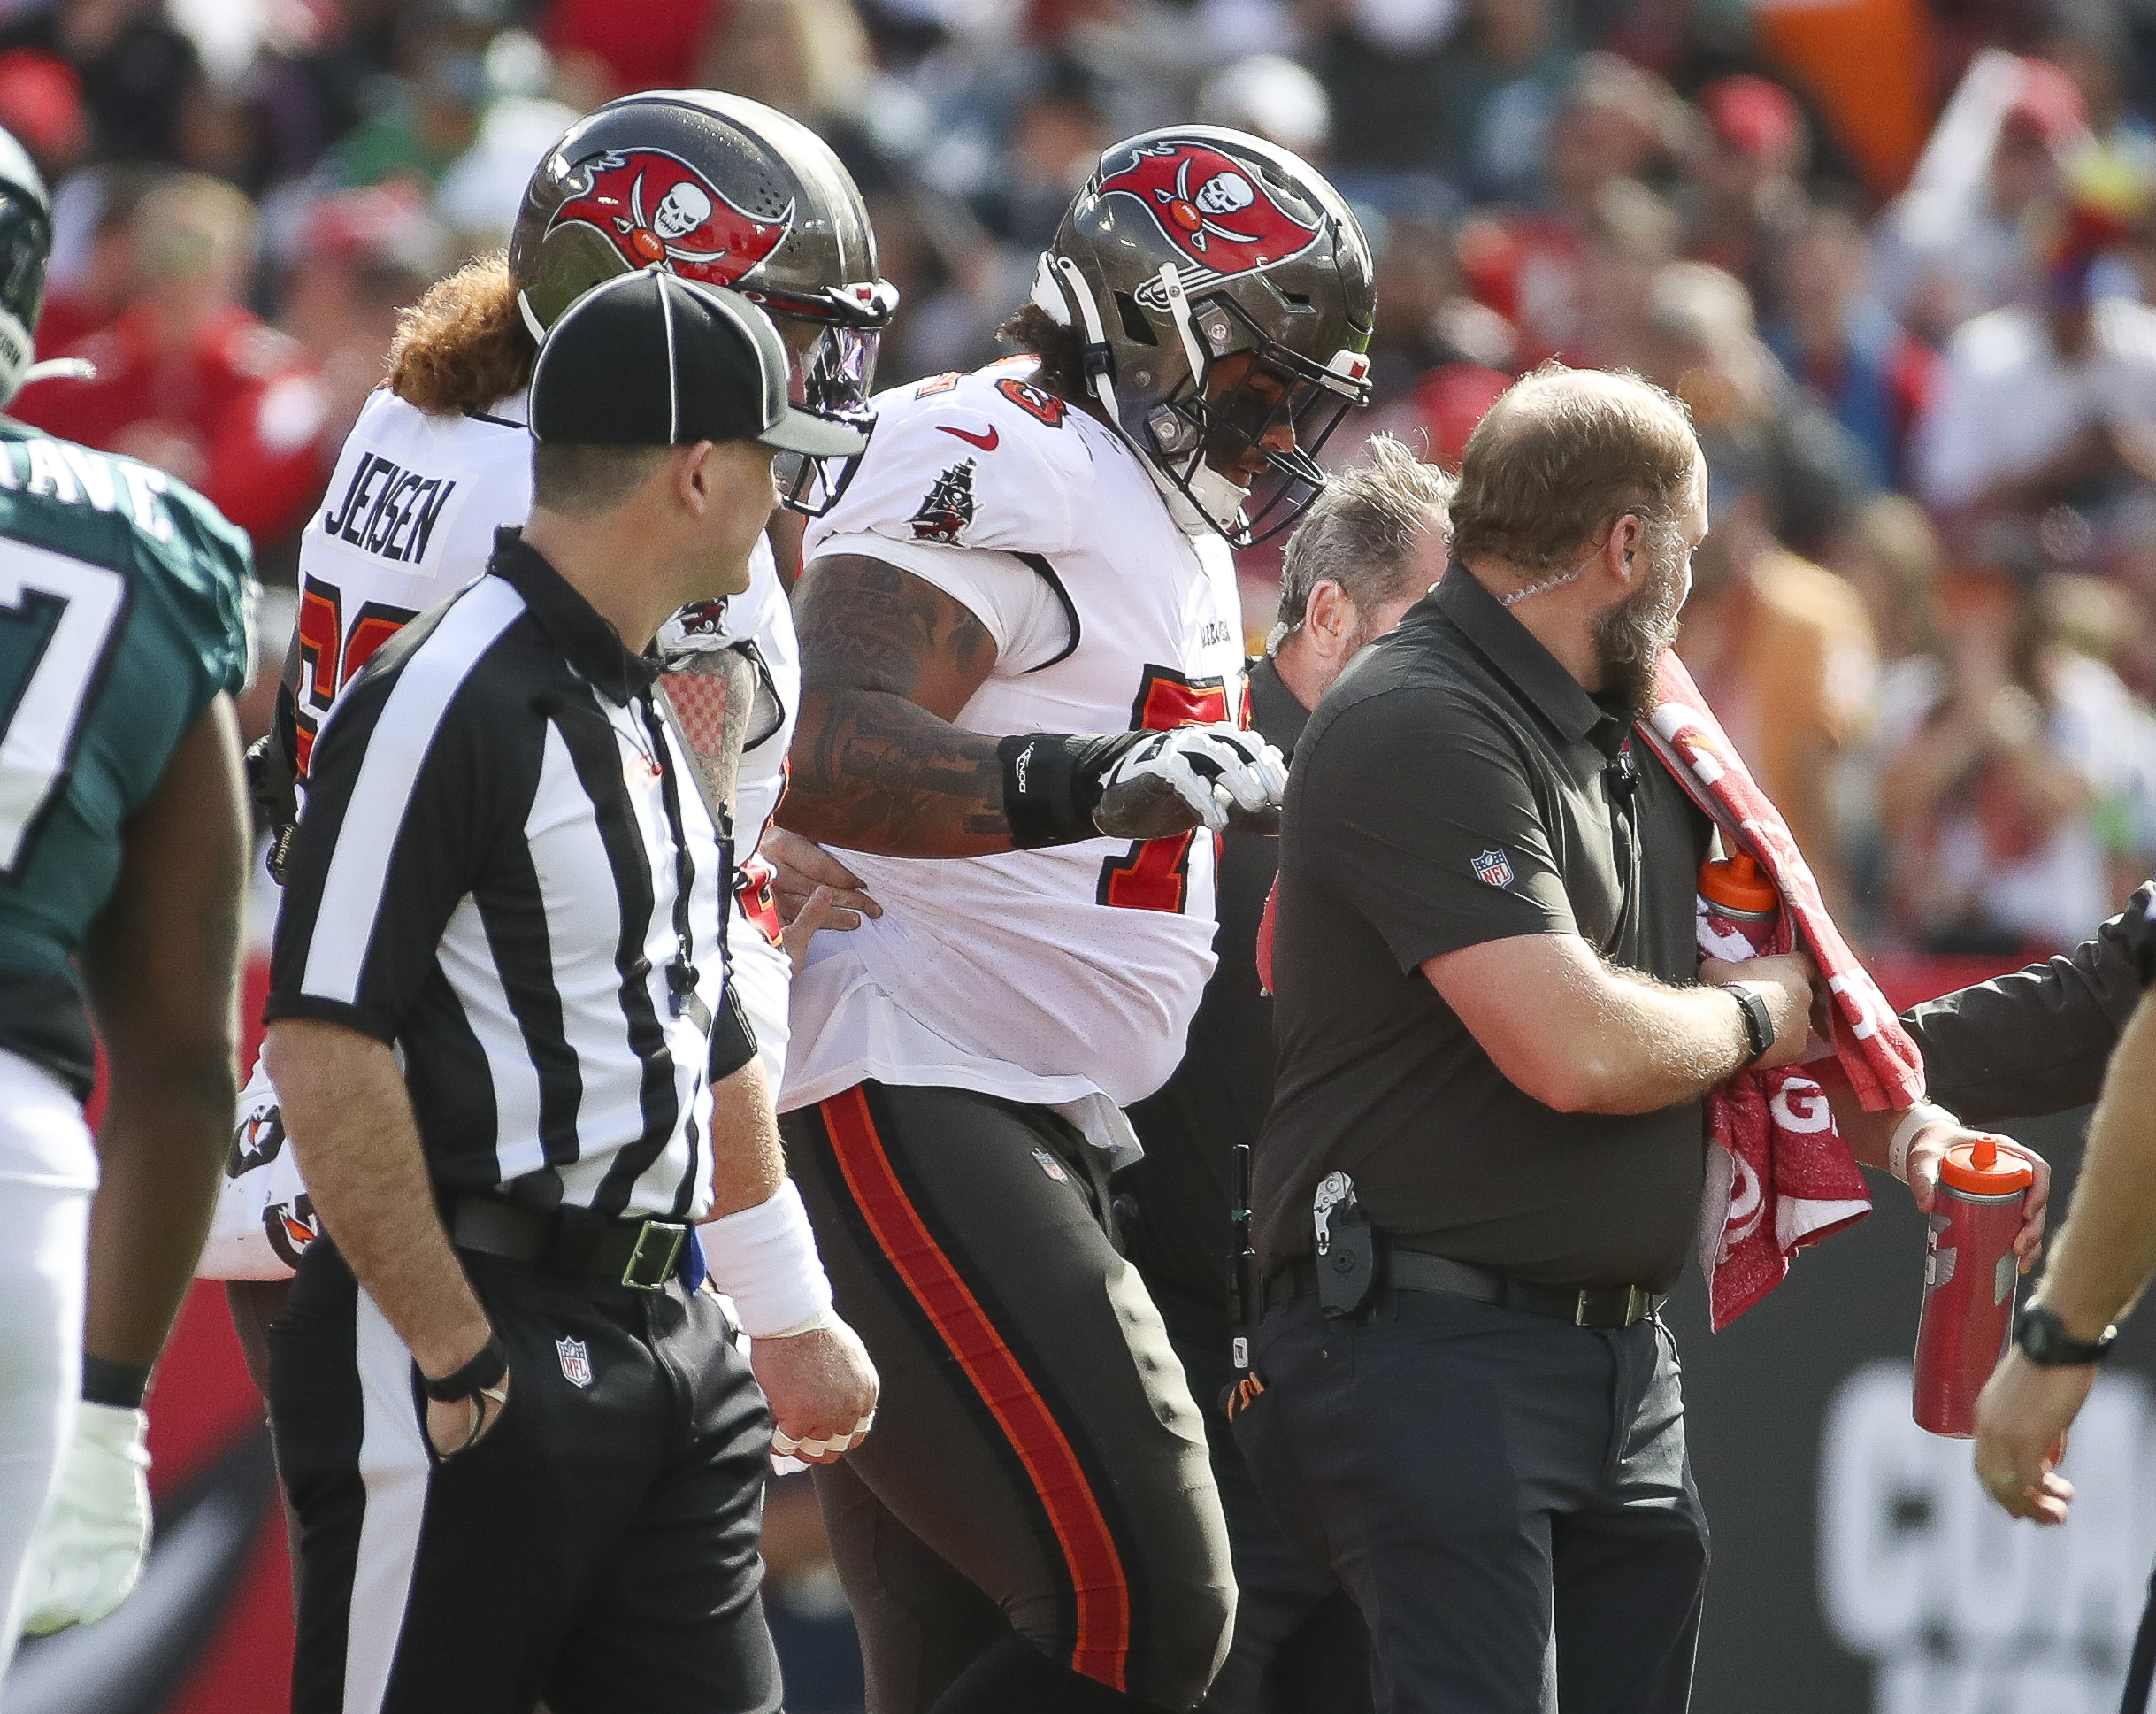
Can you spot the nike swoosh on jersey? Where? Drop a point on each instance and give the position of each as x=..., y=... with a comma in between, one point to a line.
x=986, y=442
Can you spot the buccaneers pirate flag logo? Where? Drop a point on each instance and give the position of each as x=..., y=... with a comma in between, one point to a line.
x=1213, y=209
x=660, y=212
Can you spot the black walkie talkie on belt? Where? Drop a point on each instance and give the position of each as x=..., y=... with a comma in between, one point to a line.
x=1350, y=1250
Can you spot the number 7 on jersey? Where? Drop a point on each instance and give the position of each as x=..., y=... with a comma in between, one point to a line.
x=59, y=619
x=1155, y=873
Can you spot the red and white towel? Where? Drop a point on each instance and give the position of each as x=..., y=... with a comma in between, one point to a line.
x=1779, y=1177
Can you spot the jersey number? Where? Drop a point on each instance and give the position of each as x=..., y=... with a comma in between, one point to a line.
x=1155, y=873
x=60, y=621
x=330, y=653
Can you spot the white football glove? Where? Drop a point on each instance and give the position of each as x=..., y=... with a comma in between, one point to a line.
x=89, y=1553
x=1215, y=770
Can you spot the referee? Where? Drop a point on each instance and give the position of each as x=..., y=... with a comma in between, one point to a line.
x=525, y=1458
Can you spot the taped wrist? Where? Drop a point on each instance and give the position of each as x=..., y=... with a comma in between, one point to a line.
x=121, y=1385
x=1052, y=783
x=764, y=1259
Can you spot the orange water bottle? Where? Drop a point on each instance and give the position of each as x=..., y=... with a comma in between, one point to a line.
x=1970, y=1272
x=1740, y=900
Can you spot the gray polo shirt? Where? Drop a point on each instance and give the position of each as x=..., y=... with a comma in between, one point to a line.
x=1458, y=786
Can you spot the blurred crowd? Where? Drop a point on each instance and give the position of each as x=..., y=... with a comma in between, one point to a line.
x=1897, y=256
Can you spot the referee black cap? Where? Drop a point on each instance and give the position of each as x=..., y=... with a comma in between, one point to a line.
x=650, y=359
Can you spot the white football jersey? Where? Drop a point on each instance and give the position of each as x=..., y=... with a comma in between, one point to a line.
x=408, y=520
x=1049, y=976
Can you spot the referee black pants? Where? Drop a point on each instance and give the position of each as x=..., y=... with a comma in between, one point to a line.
x=597, y=1549
x=1506, y=1495
x=1038, y=1479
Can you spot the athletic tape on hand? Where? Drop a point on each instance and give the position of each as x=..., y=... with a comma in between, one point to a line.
x=787, y=1446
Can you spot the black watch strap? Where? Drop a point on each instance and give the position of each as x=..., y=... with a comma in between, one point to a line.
x=1759, y=1022
x=485, y=1370
x=2043, y=1339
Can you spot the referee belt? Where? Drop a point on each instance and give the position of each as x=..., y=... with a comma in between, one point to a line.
x=1413, y=1270
x=575, y=1244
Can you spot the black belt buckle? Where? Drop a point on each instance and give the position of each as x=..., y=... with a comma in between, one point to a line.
x=652, y=1257
x=1639, y=1303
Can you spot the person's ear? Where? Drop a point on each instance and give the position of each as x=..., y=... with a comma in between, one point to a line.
x=695, y=479
x=1624, y=551
x=1328, y=615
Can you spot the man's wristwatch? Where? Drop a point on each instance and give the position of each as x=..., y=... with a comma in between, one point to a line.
x=1759, y=1022
x=2044, y=1340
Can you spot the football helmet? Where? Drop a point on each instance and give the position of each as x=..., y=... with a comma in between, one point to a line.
x=26, y=246
x=722, y=190
x=1226, y=295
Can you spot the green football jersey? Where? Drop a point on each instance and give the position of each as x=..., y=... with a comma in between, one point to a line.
x=127, y=604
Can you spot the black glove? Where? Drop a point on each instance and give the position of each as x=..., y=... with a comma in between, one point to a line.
x=272, y=782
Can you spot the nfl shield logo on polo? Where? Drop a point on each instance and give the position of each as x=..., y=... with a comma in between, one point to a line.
x=575, y=1361
x=1494, y=867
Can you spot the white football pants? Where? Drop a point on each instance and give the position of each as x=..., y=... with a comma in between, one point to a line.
x=47, y=1174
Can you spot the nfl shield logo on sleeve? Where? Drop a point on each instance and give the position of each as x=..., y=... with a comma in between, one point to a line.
x=575, y=1361
x=1494, y=867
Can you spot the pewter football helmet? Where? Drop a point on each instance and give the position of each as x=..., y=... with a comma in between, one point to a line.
x=1194, y=245
x=722, y=190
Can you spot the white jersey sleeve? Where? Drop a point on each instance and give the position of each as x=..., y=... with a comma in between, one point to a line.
x=968, y=484
x=1017, y=605
x=984, y=460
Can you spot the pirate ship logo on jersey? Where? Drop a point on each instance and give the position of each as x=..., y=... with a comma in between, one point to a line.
x=1215, y=210
x=660, y=212
x=948, y=508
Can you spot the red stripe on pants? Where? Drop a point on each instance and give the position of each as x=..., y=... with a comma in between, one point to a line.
x=1095, y=1568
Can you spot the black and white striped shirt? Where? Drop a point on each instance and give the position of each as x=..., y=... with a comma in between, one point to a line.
x=487, y=876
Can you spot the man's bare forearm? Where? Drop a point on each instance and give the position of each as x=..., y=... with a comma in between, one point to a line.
x=161, y=964
x=350, y=1119
x=873, y=771
x=2106, y=1253
x=1581, y=1036
x=1650, y=1046
x=887, y=662
x=747, y=1159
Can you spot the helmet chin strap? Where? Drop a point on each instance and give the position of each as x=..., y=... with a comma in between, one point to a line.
x=1208, y=502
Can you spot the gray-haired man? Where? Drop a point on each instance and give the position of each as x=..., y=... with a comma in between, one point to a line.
x=1366, y=551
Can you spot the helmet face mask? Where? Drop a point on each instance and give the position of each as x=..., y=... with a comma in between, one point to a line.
x=835, y=380
x=25, y=247
x=1192, y=247
x=1241, y=441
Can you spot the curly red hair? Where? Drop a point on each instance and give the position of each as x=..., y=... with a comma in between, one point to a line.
x=464, y=345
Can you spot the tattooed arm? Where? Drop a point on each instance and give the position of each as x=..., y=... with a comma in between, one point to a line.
x=886, y=662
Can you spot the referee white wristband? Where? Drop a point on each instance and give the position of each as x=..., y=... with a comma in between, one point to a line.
x=1916, y=1119
x=764, y=1259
